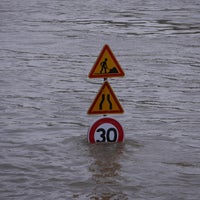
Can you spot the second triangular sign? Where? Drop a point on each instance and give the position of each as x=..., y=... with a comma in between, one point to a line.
x=105, y=102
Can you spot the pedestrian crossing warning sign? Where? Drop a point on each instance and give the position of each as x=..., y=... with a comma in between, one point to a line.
x=105, y=102
x=106, y=65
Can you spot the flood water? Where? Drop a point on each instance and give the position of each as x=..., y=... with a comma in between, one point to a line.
x=47, y=48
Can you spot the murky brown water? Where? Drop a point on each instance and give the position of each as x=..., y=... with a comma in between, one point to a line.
x=47, y=50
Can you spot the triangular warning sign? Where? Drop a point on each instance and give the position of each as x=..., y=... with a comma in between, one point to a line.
x=106, y=65
x=105, y=102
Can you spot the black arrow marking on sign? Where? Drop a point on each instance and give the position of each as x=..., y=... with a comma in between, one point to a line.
x=110, y=103
x=102, y=100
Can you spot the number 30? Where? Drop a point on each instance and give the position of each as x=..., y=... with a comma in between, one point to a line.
x=106, y=135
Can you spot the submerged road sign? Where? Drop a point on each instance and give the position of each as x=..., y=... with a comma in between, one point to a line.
x=106, y=65
x=105, y=102
x=106, y=130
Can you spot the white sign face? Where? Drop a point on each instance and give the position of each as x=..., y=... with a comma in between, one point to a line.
x=106, y=133
x=105, y=130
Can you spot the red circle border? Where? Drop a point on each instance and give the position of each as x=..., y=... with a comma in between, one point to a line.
x=112, y=121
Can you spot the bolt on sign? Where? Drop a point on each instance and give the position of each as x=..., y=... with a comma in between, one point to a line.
x=106, y=129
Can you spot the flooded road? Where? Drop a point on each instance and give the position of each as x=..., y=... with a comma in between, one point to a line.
x=47, y=50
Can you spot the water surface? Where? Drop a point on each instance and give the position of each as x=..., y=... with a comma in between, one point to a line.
x=47, y=50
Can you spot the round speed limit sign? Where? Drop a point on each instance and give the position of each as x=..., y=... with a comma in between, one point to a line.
x=106, y=130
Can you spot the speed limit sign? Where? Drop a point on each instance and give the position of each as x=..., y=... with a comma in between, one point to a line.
x=106, y=130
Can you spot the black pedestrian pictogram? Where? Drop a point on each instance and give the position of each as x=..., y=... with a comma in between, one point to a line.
x=102, y=101
x=104, y=66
